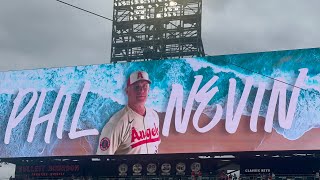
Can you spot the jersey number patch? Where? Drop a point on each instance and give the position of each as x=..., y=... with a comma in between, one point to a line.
x=104, y=144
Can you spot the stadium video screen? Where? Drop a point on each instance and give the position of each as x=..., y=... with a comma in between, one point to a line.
x=265, y=101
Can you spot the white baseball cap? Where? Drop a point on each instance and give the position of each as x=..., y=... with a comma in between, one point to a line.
x=138, y=76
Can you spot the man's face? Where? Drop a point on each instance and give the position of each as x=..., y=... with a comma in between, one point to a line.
x=138, y=92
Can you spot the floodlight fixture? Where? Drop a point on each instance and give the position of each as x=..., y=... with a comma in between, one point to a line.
x=167, y=28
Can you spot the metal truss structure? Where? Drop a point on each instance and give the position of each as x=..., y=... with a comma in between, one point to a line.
x=156, y=29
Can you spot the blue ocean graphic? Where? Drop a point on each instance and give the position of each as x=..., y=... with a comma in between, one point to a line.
x=108, y=82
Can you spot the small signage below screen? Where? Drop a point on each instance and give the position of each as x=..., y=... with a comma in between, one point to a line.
x=151, y=169
x=180, y=169
x=123, y=169
x=195, y=167
x=257, y=171
x=165, y=169
x=47, y=170
x=137, y=168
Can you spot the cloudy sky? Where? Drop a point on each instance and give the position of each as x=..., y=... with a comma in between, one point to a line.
x=45, y=33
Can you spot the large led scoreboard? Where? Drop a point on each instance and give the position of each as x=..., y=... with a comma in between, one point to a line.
x=265, y=101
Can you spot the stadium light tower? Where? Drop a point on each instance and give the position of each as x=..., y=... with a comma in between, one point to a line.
x=156, y=29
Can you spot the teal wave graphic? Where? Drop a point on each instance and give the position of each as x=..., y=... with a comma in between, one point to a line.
x=106, y=94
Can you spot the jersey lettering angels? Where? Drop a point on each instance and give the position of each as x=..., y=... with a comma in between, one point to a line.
x=127, y=132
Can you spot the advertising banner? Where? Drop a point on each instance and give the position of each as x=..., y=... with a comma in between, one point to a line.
x=54, y=170
x=292, y=165
x=248, y=102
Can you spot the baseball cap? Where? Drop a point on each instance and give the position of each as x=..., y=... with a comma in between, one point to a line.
x=138, y=76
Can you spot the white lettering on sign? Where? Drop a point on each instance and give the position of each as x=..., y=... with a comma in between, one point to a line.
x=279, y=91
x=232, y=120
x=204, y=95
x=73, y=134
x=15, y=118
x=257, y=170
x=49, y=117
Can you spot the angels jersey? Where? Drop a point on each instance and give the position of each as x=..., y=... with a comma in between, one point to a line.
x=127, y=132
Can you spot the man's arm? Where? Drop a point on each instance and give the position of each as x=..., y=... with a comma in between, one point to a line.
x=158, y=124
x=109, y=139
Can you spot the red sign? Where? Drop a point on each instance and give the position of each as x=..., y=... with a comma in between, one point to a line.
x=47, y=170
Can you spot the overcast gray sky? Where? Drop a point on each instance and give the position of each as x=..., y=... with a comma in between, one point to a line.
x=45, y=33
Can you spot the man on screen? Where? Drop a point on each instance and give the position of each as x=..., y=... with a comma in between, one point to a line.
x=135, y=128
